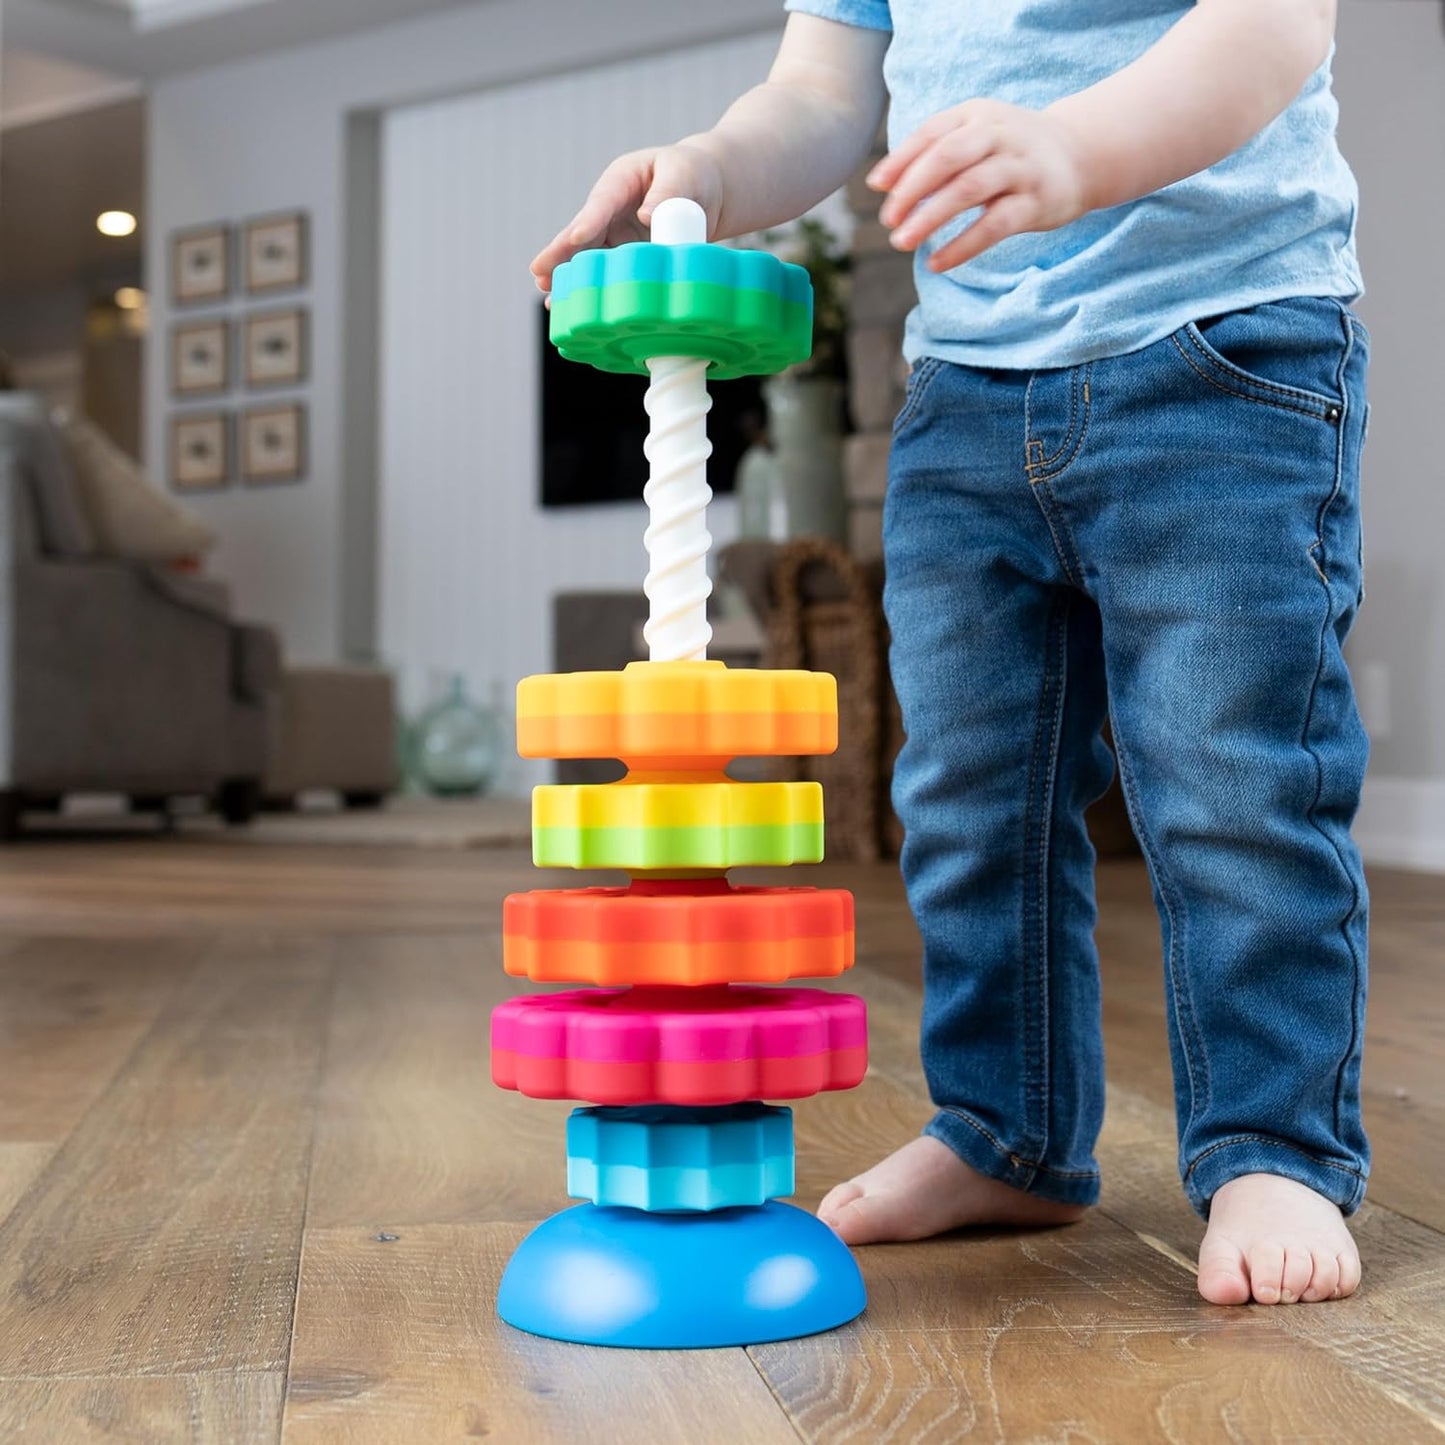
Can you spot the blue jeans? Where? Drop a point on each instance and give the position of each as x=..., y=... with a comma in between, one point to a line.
x=1183, y=521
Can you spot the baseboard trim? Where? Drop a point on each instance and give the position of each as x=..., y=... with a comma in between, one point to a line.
x=1401, y=823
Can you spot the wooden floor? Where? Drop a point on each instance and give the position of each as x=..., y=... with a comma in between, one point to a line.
x=255, y=1185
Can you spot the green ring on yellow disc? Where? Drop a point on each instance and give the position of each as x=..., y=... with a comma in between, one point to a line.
x=701, y=710
x=649, y=826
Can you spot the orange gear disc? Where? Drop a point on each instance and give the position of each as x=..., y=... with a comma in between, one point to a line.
x=694, y=932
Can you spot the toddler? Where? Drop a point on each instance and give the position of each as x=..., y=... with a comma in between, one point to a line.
x=1130, y=450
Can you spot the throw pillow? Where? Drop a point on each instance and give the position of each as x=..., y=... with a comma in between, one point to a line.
x=132, y=518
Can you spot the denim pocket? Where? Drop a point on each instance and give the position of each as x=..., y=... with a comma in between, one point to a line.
x=1286, y=354
x=922, y=372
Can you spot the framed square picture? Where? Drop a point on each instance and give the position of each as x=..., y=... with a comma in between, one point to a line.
x=273, y=444
x=200, y=357
x=274, y=253
x=200, y=450
x=274, y=348
x=200, y=265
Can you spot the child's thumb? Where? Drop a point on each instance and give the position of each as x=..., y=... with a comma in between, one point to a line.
x=672, y=175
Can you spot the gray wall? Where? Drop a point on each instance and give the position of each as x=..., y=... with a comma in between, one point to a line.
x=271, y=134
x=1390, y=76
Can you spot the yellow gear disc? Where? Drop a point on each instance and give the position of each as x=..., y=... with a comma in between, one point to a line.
x=671, y=711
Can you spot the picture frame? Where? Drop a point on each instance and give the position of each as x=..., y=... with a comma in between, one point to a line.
x=201, y=357
x=200, y=265
x=275, y=253
x=273, y=444
x=275, y=347
x=200, y=451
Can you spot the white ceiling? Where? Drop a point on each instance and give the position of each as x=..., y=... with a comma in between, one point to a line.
x=149, y=14
x=35, y=88
x=148, y=39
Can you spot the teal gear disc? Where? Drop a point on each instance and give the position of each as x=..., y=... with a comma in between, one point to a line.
x=745, y=312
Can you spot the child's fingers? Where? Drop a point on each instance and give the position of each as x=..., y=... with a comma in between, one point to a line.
x=975, y=187
x=616, y=192
x=944, y=159
x=1007, y=216
x=549, y=258
x=883, y=175
x=590, y=224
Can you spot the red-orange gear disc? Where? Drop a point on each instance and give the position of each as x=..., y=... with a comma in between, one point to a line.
x=694, y=932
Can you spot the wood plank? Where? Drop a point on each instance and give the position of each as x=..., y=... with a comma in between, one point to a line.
x=163, y=1238
x=1075, y=1334
x=1392, y=1332
x=20, y=1166
x=410, y=1127
x=397, y=1341
x=71, y=1010
x=211, y=1409
x=180, y=886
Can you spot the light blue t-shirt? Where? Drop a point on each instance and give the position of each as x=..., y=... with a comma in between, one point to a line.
x=1275, y=219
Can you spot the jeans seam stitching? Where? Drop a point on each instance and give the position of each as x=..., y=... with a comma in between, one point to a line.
x=1038, y=470
x=1067, y=554
x=1044, y=462
x=1235, y=1139
x=1034, y=969
x=1212, y=378
x=1059, y=670
x=927, y=370
x=1310, y=812
x=1196, y=1061
x=1014, y=1158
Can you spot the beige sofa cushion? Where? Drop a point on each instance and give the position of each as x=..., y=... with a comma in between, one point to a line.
x=63, y=525
x=131, y=518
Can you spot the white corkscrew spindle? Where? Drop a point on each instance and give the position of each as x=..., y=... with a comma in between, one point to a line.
x=677, y=493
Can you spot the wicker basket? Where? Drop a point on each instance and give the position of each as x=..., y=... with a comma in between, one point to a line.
x=827, y=616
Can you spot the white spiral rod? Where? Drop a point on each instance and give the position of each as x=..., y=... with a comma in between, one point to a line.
x=677, y=493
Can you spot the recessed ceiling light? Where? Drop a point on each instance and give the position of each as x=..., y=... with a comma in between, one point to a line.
x=130, y=298
x=115, y=223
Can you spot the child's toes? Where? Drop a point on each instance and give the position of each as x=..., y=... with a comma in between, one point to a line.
x=1222, y=1280
x=837, y=1199
x=870, y=1219
x=1299, y=1268
x=1265, y=1263
x=1349, y=1263
x=1325, y=1279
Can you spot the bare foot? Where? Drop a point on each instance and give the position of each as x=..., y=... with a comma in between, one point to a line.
x=923, y=1189
x=1276, y=1242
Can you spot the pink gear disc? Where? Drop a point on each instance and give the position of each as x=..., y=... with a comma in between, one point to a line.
x=696, y=1046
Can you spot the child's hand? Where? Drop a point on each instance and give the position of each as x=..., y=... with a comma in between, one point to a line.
x=620, y=205
x=1020, y=165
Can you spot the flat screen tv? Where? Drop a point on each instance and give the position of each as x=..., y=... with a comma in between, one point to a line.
x=593, y=426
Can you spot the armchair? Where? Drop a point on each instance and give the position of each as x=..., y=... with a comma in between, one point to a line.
x=115, y=676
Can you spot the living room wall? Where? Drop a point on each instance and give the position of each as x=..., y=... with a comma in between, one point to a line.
x=274, y=134
x=469, y=562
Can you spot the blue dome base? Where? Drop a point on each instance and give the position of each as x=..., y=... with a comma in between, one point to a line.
x=599, y=1275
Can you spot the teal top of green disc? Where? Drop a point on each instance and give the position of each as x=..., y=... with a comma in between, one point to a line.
x=746, y=312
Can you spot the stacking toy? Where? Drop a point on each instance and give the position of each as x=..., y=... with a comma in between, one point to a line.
x=684, y=1015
